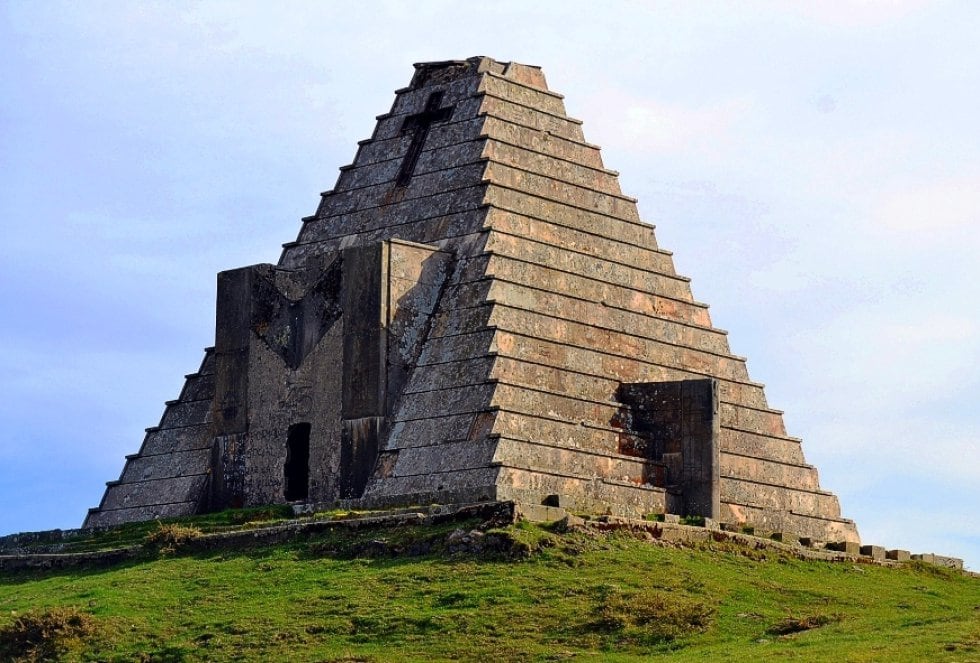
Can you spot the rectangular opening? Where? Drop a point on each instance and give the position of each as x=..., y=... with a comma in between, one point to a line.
x=297, y=467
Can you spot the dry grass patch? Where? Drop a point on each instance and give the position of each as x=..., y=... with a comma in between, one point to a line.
x=168, y=537
x=45, y=635
x=650, y=617
x=791, y=625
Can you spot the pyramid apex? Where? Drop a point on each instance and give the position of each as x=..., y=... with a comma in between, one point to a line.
x=444, y=71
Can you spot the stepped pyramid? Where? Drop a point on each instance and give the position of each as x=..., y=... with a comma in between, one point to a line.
x=475, y=312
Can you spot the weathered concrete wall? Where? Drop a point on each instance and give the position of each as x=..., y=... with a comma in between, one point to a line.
x=329, y=347
x=278, y=337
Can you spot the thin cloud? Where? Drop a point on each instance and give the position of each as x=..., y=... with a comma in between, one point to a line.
x=645, y=125
x=854, y=13
x=942, y=210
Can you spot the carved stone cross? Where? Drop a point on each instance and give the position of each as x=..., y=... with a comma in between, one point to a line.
x=419, y=123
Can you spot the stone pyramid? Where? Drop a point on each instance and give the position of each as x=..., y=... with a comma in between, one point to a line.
x=475, y=312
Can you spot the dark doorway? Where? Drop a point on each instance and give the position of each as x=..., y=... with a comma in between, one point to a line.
x=358, y=454
x=297, y=469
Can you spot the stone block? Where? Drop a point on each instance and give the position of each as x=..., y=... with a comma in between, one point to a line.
x=849, y=547
x=949, y=562
x=898, y=555
x=785, y=537
x=539, y=513
x=940, y=560
x=556, y=500
x=874, y=552
x=570, y=523
x=685, y=535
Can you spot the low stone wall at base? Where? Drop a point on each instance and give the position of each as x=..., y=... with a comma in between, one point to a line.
x=670, y=531
x=497, y=513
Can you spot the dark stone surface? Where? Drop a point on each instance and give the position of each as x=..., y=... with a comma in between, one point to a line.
x=677, y=424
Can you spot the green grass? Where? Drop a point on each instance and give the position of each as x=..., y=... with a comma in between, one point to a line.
x=547, y=597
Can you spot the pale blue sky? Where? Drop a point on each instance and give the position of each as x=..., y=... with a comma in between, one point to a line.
x=814, y=167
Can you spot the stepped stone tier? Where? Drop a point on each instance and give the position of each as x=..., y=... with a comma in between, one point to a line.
x=475, y=312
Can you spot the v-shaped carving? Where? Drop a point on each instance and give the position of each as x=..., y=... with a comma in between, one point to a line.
x=292, y=328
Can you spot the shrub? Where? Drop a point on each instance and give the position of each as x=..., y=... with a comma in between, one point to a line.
x=45, y=635
x=171, y=536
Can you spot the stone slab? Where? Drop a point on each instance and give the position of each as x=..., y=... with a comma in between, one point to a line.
x=874, y=552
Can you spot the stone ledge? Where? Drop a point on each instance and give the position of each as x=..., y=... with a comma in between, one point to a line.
x=331, y=238
x=823, y=493
x=167, y=453
x=819, y=517
x=772, y=436
x=571, y=371
x=591, y=232
x=157, y=429
x=767, y=459
x=595, y=258
x=39, y=561
x=416, y=174
x=789, y=511
x=600, y=193
x=614, y=405
x=441, y=192
x=120, y=482
x=638, y=225
x=356, y=165
x=588, y=452
x=525, y=148
x=488, y=408
x=542, y=90
x=536, y=109
x=643, y=487
x=682, y=323
x=563, y=202
x=183, y=401
x=583, y=143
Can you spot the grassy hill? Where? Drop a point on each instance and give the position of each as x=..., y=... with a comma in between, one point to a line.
x=472, y=591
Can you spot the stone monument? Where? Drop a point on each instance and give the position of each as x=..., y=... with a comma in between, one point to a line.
x=474, y=313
